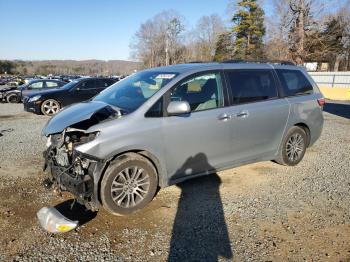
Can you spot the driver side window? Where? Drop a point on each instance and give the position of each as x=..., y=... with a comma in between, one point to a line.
x=36, y=85
x=202, y=92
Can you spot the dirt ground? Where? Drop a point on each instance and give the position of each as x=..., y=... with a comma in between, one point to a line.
x=258, y=212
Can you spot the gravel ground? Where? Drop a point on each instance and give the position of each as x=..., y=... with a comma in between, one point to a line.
x=258, y=212
x=20, y=139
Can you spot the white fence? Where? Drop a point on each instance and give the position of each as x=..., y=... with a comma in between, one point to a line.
x=331, y=79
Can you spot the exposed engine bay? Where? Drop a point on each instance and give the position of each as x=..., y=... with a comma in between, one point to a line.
x=69, y=170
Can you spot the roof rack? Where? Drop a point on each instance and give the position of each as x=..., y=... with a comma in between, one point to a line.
x=198, y=62
x=280, y=62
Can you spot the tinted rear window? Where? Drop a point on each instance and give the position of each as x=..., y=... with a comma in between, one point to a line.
x=251, y=85
x=294, y=82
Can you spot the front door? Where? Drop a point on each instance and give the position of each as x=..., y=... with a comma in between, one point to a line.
x=198, y=142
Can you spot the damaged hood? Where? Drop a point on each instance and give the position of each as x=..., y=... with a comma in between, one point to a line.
x=78, y=113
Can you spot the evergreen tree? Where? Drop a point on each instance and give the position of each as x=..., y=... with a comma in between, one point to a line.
x=223, y=50
x=248, y=30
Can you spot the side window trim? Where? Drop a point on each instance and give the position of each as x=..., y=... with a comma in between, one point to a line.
x=274, y=79
x=278, y=85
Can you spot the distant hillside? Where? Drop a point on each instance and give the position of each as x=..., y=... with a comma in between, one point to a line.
x=86, y=67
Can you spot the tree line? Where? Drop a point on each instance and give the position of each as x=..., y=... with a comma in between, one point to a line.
x=70, y=67
x=300, y=31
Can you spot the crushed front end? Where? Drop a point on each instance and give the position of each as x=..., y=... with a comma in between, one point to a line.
x=71, y=171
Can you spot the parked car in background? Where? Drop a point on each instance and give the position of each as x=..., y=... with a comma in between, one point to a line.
x=16, y=81
x=165, y=125
x=4, y=80
x=49, y=102
x=15, y=94
x=69, y=78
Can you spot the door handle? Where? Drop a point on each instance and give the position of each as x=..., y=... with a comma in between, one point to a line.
x=224, y=117
x=243, y=114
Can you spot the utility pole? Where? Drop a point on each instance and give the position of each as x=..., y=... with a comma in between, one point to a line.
x=167, y=46
x=167, y=50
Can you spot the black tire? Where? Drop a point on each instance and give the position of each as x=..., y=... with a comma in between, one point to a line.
x=287, y=155
x=50, y=107
x=12, y=98
x=114, y=185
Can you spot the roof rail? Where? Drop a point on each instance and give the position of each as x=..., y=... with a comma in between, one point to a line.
x=197, y=62
x=280, y=62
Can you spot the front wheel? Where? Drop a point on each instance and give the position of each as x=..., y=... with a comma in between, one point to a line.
x=12, y=98
x=129, y=184
x=50, y=107
x=293, y=147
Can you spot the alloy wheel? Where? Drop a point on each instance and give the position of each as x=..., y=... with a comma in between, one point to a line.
x=50, y=107
x=130, y=187
x=295, y=147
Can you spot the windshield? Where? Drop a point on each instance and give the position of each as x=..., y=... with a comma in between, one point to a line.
x=130, y=93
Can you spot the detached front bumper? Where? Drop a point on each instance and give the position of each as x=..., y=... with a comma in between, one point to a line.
x=81, y=182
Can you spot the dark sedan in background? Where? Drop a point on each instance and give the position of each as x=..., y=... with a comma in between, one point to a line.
x=14, y=94
x=49, y=102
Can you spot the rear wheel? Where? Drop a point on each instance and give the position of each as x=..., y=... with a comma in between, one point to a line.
x=50, y=107
x=293, y=147
x=12, y=98
x=129, y=184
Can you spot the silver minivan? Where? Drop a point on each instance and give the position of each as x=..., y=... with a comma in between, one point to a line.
x=164, y=125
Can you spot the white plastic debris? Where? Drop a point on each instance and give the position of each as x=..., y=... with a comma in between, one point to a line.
x=54, y=222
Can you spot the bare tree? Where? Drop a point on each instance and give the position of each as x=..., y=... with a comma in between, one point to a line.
x=206, y=33
x=295, y=33
x=277, y=32
x=158, y=40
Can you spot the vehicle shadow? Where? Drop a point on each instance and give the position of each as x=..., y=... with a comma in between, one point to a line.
x=199, y=231
x=339, y=109
x=75, y=212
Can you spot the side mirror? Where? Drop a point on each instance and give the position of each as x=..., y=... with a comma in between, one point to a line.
x=77, y=89
x=178, y=108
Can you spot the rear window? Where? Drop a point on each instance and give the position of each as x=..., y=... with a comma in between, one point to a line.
x=294, y=82
x=251, y=85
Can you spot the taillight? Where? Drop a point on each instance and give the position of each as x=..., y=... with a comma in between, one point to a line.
x=321, y=101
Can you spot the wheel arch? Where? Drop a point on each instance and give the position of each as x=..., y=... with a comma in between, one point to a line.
x=306, y=130
x=8, y=94
x=144, y=153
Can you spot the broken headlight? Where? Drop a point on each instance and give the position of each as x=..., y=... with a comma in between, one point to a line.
x=48, y=142
x=34, y=98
